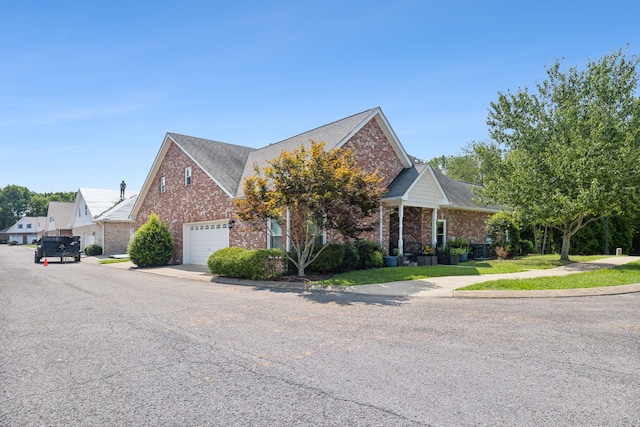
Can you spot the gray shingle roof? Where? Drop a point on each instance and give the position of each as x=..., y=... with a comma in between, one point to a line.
x=460, y=194
x=401, y=184
x=224, y=162
x=331, y=134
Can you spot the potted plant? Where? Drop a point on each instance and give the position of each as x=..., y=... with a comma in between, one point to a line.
x=427, y=256
x=391, y=260
x=448, y=256
x=461, y=247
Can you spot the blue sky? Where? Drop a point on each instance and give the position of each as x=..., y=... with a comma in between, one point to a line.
x=89, y=89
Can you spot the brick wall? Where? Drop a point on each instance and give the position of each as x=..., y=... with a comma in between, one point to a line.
x=116, y=237
x=373, y=152
x=203, y=200
x=466, y=224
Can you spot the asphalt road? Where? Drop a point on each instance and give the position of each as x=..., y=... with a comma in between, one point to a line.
x=88, y=345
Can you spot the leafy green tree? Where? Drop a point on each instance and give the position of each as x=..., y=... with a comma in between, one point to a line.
x=152, y=244
x=15, y=202
x=570, y=150
x=319, y=190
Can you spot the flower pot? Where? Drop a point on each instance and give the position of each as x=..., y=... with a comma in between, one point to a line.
x=427, y=260
x=464, y=257
x=390, y=261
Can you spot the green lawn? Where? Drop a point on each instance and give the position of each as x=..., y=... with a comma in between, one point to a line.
x=621, y=275
x=113, y=261
x=471, y=268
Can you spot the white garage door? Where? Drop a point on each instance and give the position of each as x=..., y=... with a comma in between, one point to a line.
x=201, y=239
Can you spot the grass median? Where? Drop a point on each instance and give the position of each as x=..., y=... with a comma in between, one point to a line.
x=471, y=268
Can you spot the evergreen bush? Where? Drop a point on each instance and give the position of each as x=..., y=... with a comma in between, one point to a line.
x=152, y=244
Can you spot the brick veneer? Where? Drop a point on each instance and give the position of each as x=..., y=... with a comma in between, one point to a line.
x=467, y=224
x=203, y=200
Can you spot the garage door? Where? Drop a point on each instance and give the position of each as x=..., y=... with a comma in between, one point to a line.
x=204, y=238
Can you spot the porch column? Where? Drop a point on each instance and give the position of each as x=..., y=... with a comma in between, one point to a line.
x=400, y=220
x=434, y=227
x=381, y=228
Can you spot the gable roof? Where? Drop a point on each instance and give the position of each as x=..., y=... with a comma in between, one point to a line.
x=99, y=201
x=334, y=135
x=33, y=220
x=120, y=212
x=62, y=213
x=461, y=195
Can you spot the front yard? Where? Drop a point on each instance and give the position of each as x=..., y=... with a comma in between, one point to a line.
x=471, y=268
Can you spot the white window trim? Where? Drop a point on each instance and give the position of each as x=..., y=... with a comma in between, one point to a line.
x=188, y=177
x=163, y=187
x=444, y=231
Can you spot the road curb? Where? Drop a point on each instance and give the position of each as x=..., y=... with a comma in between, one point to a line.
x=551, y=293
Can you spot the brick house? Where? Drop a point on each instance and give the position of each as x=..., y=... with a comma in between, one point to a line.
x=193, y=182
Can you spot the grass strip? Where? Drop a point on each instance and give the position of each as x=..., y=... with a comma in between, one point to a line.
x=621, y=275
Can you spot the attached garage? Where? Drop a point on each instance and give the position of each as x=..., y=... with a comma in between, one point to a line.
x=201, y=239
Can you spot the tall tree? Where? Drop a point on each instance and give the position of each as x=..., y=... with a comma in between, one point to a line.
x=319, y=191
x=15, y=202
x=571, y=151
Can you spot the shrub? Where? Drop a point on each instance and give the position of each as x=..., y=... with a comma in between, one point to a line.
x=152, y=244
x=93, y=250
x=377, y=260
x=504, y=232
x=329, y=260
x=243, y=263
x=366, y=251
x=527, y=247
x=351, y=257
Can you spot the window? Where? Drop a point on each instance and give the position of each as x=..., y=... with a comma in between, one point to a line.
x=441, y=232
x=28, y=225
x=187, y=176
x=50, y=219
x=162, y=186
x=79, y=212
x=86, y=211
x=20, y=226
x=275, y=235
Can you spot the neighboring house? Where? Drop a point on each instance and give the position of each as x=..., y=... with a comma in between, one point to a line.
x=101, y=217
x=193, y=182
x=25, y=230
x=117, y=227
x=59, y=219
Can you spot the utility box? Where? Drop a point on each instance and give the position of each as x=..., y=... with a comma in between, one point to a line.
x=618, y=251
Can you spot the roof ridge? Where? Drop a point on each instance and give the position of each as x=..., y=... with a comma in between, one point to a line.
x=208, y=140
x=319, y=127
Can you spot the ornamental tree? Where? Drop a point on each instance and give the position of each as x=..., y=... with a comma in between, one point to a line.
x=570, y=151
x=308, y=191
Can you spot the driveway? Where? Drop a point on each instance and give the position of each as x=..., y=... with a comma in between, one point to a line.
x=86, y=345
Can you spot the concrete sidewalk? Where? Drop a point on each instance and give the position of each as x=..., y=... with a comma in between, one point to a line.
x=435, y=287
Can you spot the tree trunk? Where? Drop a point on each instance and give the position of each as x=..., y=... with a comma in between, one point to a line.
x=566, y=241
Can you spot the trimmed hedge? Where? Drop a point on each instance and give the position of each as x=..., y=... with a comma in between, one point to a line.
x=240, y=263
x=329, y=260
